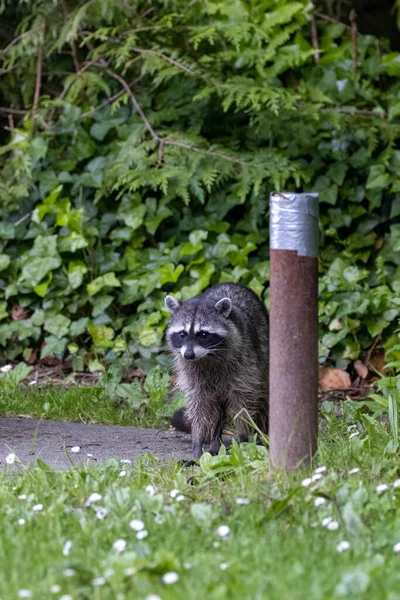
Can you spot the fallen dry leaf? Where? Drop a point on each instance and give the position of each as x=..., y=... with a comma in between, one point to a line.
x=19, y=313
x=361, y=368
x=378, y=360
x=333, y=379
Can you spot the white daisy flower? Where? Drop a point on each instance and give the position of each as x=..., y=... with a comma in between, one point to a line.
x=66, y=597
x=69, y=572
x=382, y=487
x=125, y=461
x=316, y=477
x=223, y=531
x=396, y=547
x=5, y=369
x=354, y=471
x=326, y=521
x=396, y=484
x=94, y=497
x=152, y=597
x=319, y=501
x=173, y=493
x=180, y=498
x=122, y=474
x=55, y=589
x=24, y=593
x=242, y=501
x=21, y=521
x=136, y=525
x=10, y=458
x=119, y=545
x=33, y=382
x=67, y=548
x=159, y=519
x=75, y=449
x=101, y=512
x=306, y=482
x=97, y=581
x=170, y=577
x=320, y=470
x=150, y=490
x=342, y=546
x=22, y=497
x=142, y=534
x=223, y=566
x=333, y=525
x=37, y=507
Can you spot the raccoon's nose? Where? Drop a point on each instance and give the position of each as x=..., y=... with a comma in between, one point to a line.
x=189, y=354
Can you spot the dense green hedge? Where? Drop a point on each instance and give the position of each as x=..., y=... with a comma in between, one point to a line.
x=106, y=205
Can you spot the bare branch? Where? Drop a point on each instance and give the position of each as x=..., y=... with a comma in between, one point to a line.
x=109, y=100
x=314, y=38
x=135, y=103
x=168, y=142
x=165, y=57
x=18, y=112
x=354, y=40
x=154, y=135
x=73, y=46
x=355, y=111
x=331, y=20
x=11, y=123
x=38, y=75
x=13, y=42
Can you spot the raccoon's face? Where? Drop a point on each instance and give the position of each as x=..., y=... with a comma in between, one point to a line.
x=197, y=329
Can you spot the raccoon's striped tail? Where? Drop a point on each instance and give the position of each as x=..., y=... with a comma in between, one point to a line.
x=180, y=421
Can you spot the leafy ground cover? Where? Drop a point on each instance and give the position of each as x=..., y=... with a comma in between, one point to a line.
x=229, y=528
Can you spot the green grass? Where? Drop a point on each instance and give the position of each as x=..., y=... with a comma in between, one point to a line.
x=90, y=405
x=112, y=403
x=277, y=547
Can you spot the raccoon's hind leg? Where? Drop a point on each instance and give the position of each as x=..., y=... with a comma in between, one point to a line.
x=207, y=420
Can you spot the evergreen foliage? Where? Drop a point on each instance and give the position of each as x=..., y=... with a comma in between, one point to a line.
x=144, y=141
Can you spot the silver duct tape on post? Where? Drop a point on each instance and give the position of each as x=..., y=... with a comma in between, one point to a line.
x=294, y=222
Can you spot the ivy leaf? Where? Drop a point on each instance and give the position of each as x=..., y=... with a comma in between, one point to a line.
x=107, y=280
x=4, y=261
x=3, y=310
x=78, y=327
x=169, y=273
x=102, y=335
x=72, y=242
x=41, y=288
x=57, y=325
x=378, y=178
x=54, y=346
x=76, y=270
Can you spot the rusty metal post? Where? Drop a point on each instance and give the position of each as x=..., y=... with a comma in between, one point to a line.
x=294, y=244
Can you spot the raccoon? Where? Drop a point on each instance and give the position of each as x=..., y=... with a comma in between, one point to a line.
x=220, y=345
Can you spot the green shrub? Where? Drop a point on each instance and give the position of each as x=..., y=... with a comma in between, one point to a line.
x=151, y=139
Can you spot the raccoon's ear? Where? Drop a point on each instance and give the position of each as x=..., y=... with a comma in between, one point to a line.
x=172, y=304
x=224, y=306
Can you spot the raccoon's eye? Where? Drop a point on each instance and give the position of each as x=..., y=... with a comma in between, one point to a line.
x=182, y=334
x=204, y=334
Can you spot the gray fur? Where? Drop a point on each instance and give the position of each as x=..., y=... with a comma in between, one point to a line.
x=229, y=377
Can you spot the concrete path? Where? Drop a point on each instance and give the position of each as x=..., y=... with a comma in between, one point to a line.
x=52, y=441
